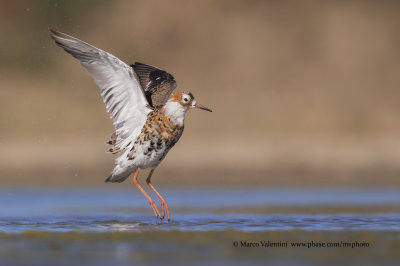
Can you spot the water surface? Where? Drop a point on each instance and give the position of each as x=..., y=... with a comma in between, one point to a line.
x=53, y=226
x=54, y=209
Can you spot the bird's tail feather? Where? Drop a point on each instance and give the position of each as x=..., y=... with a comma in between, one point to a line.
x=118, y=175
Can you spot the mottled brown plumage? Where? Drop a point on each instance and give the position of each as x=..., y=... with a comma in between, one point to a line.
x=160, y=134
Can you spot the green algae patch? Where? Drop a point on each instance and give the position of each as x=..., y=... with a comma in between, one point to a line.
x=224, y=246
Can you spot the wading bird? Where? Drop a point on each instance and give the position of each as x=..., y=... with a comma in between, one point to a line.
x=148, y=120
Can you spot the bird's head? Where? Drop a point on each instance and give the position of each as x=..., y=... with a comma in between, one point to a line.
x=186, y=101
x=178, y=104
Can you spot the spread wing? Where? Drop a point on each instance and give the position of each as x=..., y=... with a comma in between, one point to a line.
x=120, y=89
x=157, y=84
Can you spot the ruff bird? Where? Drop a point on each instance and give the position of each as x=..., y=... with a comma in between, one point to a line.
x=147, y=117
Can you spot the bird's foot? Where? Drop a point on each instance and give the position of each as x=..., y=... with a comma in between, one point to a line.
x=154, y=207
x=164, y=208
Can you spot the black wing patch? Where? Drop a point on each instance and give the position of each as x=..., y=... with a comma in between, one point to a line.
x=157, y=84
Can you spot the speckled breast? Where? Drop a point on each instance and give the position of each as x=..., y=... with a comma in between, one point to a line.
x=158, y=136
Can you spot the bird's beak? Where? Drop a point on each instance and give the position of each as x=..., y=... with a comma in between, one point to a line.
x=199, y=106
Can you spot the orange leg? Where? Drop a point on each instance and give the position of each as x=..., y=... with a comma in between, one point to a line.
x=162, y=201
x=152, y=204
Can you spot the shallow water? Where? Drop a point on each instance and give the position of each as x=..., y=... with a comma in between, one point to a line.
x=200, y=210
x=204, y=222
x=53, y=226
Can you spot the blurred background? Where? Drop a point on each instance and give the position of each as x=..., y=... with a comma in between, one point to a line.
x=303, y=92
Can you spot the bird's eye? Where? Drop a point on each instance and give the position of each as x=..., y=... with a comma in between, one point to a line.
x=185, y=99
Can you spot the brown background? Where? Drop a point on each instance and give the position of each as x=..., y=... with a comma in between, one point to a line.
x=303, y=92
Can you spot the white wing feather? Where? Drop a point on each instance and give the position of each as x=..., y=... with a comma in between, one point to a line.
x=120, y=89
